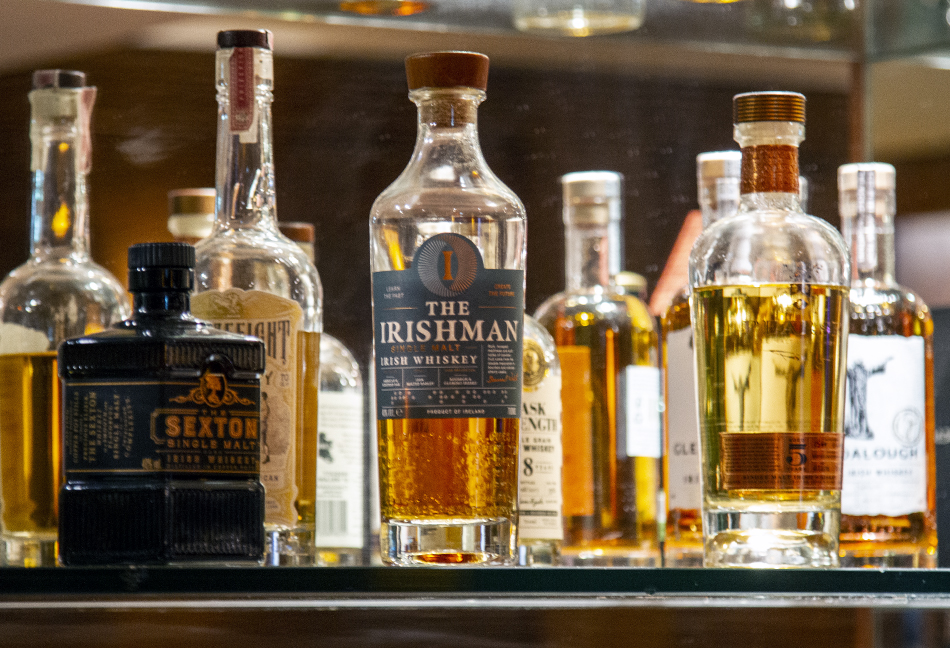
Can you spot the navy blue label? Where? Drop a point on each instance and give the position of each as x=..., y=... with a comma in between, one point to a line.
x=448, y=335
x=208, y=425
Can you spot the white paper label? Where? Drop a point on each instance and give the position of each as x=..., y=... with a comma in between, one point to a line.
x=642, y=415
x=683, y=448
x=340, y=470
x=885, y=451
x=539, y=467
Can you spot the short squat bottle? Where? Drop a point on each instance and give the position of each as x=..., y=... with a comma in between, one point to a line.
x=607, y=347
x=888, y=495
x=190, y=213
x=251, y=279
x=717, y=178
x=447, y=247
x=769, y=297
x=161, y=419
x=341, y=425
x=58, y=293
x=540, y=524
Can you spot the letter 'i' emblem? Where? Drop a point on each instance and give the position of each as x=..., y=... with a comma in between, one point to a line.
x=447, y=255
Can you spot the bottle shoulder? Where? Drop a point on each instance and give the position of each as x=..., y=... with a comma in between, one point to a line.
x=595, y=304
x=339, y=370
x=771, y=246
x=879, y=309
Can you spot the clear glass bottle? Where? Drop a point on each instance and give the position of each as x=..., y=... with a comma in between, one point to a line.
x=632, y=283
x=251, y=279
x=190, y=214
x=540, y=524
x=717, y=179
x=342, y=430
x=161, y=430
x=769, y=291
x=578, y=17
x=888, y=495
x=607, y=346
x=447, y=246
x=58, y=293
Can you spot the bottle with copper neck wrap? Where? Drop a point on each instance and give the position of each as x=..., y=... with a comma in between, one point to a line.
x=447, y=247
x=768, y=293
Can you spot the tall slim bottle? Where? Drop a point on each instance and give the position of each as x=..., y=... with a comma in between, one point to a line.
x=769, y=290
x=58, y=293
x=888, y=497
x=447, y=246
x=251, y=279
x=607, y=346
x=718, y=183
x=341, y=426
x=540, y=524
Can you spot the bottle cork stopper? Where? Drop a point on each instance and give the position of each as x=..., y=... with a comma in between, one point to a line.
x=768, y=106
x=298, y=231
x=447, y=70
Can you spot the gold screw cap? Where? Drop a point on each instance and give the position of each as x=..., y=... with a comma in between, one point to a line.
x=768, y=106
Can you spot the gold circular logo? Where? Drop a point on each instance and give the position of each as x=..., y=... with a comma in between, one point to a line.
x=535, y=366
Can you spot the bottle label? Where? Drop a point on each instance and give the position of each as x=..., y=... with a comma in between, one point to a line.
x=577, y=435
x=684, y=461
x=539, y=483
x=277, y=322
x=448, y=335
x=796, y=461
x=885, y=446
x=209, y=425
x=246, y=69
x=641, y=392
x=340, y=470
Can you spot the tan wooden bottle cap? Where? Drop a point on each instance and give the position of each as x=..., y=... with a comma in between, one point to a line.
x=768, y=106
x=447, y=70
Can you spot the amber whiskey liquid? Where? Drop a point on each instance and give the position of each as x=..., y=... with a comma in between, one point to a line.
x=610, y=497
x=30, y=456
x=907, y=539
x=771, y=419
x=308, y=388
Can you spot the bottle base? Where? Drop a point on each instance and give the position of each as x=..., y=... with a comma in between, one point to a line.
x=682, y=556
x=289, y=547
x=539, y=553
x=448, y=542
x=28, y=549
x=339, y=556
x=806, y=538
x=610, y=557
x=887, y=558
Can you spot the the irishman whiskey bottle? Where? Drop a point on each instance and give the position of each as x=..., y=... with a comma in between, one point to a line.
x=447, y=250
x=161, y=418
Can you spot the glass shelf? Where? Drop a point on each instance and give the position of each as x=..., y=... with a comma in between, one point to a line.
x=534, y=588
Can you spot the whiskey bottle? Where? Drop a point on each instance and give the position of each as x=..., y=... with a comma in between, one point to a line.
x=342, y=430
x=161, y=430
x=190, y=214
x=769, y=291
x=607, y=347
x=540, y=524
x=447, y=247
x=888, y=494
x=718, y=184
x=251, y=279
x=58, y=293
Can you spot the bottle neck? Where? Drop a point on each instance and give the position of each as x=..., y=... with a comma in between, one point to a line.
x=769, y=175
x=447, y=144
x=592, y=254
x=245, y=161
x=719, y=198
x=867, y=224
x=161, y=305
x=60, y=134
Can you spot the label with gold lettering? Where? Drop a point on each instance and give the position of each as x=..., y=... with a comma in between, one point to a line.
x=209, y=425
x=781, y=460
x=448, y=335
x=277, y=322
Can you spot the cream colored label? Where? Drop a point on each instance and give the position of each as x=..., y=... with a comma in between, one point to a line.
x=277, y=321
